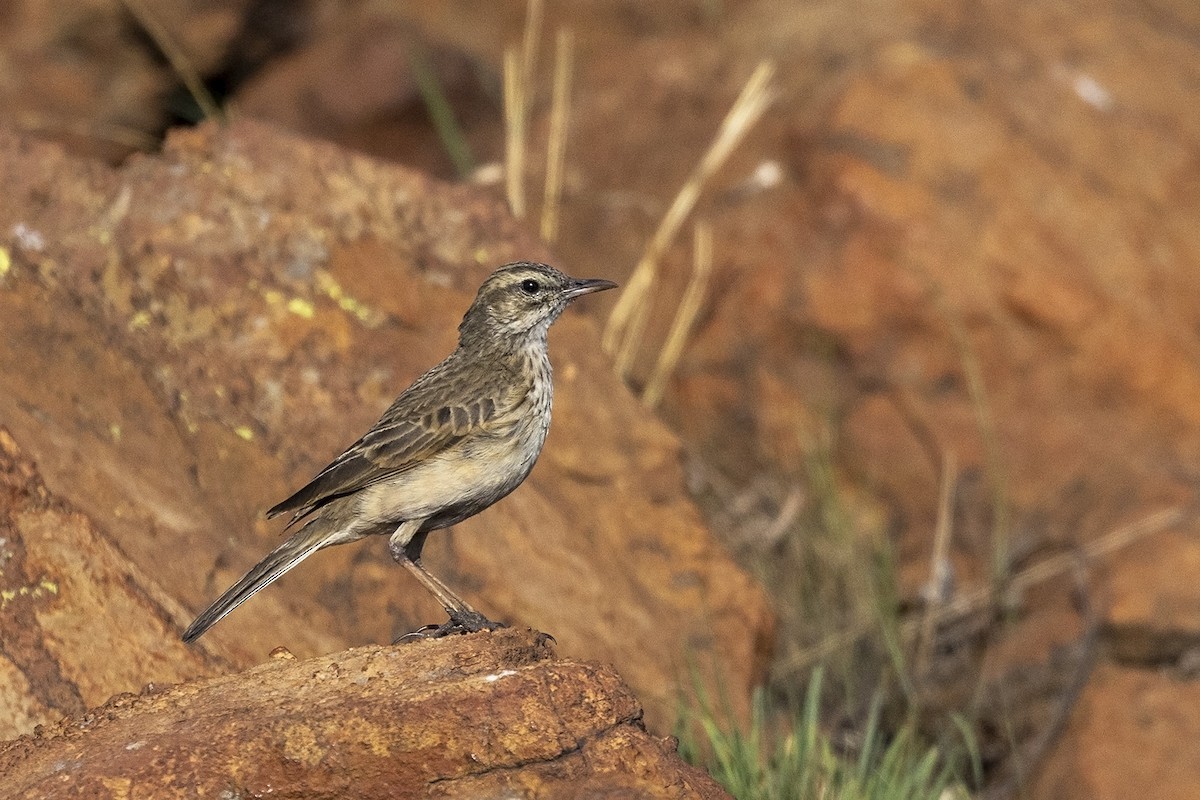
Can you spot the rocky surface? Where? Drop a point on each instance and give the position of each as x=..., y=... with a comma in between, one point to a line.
x=983, y=247
x=1132, y=727
x=80, y=622
x=486, y=715
x=380, y=50
x=194, y=334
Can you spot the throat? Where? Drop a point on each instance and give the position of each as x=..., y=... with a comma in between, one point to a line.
x=535, y=365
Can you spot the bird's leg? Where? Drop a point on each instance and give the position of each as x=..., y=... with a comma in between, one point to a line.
x=449, y=600
x=463, y=617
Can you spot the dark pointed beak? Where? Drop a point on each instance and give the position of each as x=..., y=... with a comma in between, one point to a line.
x=579, y=287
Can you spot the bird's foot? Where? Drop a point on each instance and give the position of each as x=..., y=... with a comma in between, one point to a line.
x=469, y=622
x=459, y=622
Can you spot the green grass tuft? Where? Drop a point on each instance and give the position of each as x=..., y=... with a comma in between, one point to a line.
x=778, y=758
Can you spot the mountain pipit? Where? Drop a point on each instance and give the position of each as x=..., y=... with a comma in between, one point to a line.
x=465, y=434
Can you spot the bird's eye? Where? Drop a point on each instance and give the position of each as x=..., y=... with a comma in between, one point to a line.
x=530, y=286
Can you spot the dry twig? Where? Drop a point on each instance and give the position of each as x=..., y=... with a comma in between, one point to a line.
x=177, y=58
x=984, y=598
x=627, y=322
x=685, y=315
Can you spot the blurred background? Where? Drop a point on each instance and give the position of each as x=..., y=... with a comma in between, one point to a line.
x=916, y=284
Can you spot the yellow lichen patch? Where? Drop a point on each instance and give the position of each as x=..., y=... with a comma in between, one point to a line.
x=245, y=432
x=369, y=317
x=301, y=307
x=42, y=588
x=119, y=788
x=5, y=262
x=114, y=430
x=139, y=320
x=300, y=744
x=373, y=736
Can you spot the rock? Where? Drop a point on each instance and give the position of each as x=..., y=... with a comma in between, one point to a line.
x=79, y=621
x=985, y=245
x=191, y=336
x=381, y=53
x=487, y=715
x=1154, y=617
x=1002, y=282
x=89, y=74
x=1133, y=731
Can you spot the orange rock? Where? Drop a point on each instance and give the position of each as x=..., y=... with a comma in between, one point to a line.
x=471, y=716
x=1132, y=732
x=79, y=622
x=177, y=411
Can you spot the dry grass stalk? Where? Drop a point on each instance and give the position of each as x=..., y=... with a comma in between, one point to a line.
x=556, y=149
x=685, y=315
x=178, y=59
x=518, y=83
x=534, y=13
x=938, y=564
x=982, y=598
x=628, y=319
x=514, y=133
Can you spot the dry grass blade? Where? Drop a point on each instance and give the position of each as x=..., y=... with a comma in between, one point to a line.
x=1109, y=543
x=534, y=13
x=685, y=315
x=629, y=315
x=518, y=80
x=982, y=598
x=993, y=463
x=514, y=133
x=556, y=149
x=177, y=58
x=938, y=564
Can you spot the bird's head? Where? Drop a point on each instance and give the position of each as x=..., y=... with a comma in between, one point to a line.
x=522, y=299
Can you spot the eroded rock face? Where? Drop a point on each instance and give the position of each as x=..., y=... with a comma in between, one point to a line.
x=80, y=622
x=984, y=245
x=191, y=336
x=1132, y=727
x=474, y=716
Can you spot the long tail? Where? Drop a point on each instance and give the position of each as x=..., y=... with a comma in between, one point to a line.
x=299, y=546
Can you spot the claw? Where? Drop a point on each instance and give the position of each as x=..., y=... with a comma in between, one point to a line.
x=423, y=632
x=459, y=622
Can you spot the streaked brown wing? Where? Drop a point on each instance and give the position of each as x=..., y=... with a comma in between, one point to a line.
x=409, y=433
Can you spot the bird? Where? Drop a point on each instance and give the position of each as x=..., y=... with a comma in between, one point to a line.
x=462, y=436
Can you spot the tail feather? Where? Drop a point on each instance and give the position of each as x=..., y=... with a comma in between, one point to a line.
x=297, y=548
